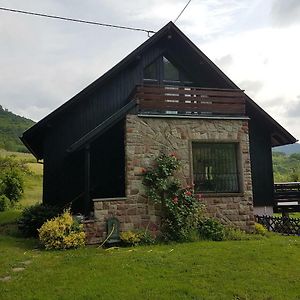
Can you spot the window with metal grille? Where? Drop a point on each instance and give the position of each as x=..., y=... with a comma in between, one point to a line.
x=215, y=167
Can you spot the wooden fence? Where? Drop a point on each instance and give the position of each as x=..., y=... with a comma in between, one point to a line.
x=284, y=225
x=190, y=100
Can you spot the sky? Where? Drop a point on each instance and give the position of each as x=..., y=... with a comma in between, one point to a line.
x=44, y=62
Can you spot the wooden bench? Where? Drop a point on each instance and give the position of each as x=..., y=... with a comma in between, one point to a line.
x=287, y=197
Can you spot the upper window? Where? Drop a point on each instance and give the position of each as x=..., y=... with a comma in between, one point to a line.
x=150, y=72
x=171, y=73
x=215, y=167
x=163, y=71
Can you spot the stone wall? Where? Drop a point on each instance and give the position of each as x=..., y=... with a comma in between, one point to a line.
x=145, y=138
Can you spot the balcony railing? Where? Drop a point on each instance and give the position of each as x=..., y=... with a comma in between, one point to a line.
x=180, y=100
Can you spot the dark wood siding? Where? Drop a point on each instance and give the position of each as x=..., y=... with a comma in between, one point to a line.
x=64, y=172
x=261, y=164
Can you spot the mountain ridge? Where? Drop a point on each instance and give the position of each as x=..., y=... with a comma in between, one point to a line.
x=12, y=127
x=288, y=149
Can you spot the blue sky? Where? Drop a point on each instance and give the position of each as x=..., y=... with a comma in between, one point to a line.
x=45, y=62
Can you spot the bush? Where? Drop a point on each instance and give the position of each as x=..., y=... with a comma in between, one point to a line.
x=130, y=238
x=12, y=186
x=260, y=229
x=62, y=232
x=235, y=234
x=179, y=206
x=34, y=217
x=4, y=203
x=211, y=229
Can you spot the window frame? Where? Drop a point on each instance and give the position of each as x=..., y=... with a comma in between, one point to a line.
x=239, y=168
x=160, y=72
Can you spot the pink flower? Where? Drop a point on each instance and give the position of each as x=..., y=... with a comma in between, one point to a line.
x=173, y=154
x=188, y=193
x=143, y=170
x=175, y=200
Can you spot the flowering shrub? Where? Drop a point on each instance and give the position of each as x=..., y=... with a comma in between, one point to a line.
x=180, y=208
x=62, y=232
x=130, y=237
x=260, y=229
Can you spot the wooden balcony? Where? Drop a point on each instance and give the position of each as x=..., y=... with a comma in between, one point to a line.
x=180, y=100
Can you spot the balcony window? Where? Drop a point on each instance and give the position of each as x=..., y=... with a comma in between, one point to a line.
x=171, y=73
x=163, y=71
x=215, y=167
x=150, y=72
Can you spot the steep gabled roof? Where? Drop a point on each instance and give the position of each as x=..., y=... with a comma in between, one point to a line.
x=33, y=137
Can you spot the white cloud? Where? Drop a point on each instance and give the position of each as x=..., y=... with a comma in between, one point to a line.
x=45, y=62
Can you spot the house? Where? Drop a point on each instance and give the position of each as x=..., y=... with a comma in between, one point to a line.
x=168, y=96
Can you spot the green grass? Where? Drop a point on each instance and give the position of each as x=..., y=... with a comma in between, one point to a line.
x=256, y=269
x=291, y=215
x=9, y=216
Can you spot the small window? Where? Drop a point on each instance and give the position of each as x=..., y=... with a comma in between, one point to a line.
x=215, y=167
x=171, y=73
x=150, y=72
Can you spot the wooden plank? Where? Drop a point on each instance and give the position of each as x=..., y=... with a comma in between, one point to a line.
x=187, y=105
x=211, y=109
x=190, y=90
x=174, y=96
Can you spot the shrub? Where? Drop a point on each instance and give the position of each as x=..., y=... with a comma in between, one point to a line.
x=260, y=229
x=4, y=203
x=62, y=232
x=146, y=238
x=211, y=229
x=235, y=234
x=130, y=238
x=12, y=171
x=179, y=206
x=12, y=185
x=133, y=238
x=34, y=217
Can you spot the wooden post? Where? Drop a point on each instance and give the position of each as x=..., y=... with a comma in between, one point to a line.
x=87, y=180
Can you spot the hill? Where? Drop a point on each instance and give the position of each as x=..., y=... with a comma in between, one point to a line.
x=11, y=127
x=288, y=149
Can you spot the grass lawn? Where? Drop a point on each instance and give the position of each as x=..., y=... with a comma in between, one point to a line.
x=255, y=269
x=291, y=215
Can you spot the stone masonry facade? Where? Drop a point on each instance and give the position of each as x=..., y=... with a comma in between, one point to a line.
x=145, y=138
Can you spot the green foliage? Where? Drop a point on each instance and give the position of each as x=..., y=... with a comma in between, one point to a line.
x=34, y=217
x=11, y=127
x=180, y=208
x=4, y=203
x=133, y=238
x=286, y=167
x=62, y=232
x=260, y=229
x=130, y=238
x=12, y=171
x=211, y=229
x=11, y=185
